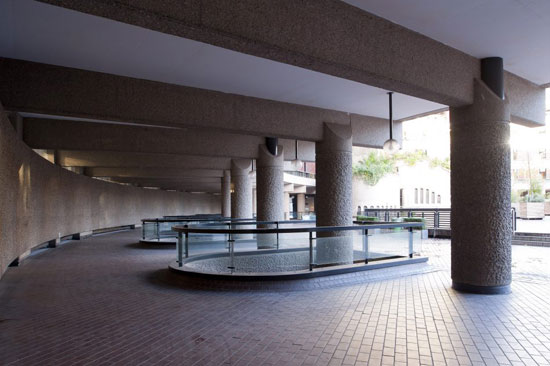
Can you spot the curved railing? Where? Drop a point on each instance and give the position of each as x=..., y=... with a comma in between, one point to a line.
x=161, y=228
x=327, y=245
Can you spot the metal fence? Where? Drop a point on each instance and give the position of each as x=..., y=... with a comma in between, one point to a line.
x=435, y=218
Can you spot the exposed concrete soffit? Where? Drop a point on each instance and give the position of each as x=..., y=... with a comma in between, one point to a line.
x=27, y=87
x=527, y=101
x=175, y=173
x=118, y=159
x=328, y=36
x=87, y=136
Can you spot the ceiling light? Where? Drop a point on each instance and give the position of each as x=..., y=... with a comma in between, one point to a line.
x=391, y=145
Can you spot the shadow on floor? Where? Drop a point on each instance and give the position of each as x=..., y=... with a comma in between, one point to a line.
x=161, y=246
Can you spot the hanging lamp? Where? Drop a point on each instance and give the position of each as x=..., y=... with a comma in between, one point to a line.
x=391, y=145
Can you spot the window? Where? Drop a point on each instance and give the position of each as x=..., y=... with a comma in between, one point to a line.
x=416, y=195
x=428, y=196
x=438, y=198
x=433, y=197
x=421, y=195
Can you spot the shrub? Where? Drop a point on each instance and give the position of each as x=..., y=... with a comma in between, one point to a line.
x=537, y=198
x=416, y=219
x=367, y=218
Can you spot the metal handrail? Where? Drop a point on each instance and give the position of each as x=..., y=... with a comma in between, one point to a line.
x=441, y=217
x=315, y=229
x=184, y=231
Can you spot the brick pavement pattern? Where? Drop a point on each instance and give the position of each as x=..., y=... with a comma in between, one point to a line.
x=107, y=300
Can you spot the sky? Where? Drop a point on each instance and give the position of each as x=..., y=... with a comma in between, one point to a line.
x=431, y=133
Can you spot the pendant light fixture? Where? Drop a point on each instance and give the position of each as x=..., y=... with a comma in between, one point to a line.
x=391, y=145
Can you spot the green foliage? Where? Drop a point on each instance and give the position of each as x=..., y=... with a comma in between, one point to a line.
x=548, y=195
x=536, y=198
x=416, y=219
x=374, y=167
x=412, y=158
x=535, y=187
x=367, y=218
x=445, y=163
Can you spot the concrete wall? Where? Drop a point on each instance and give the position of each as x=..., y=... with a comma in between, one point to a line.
x=40, y=201
x=387, y=192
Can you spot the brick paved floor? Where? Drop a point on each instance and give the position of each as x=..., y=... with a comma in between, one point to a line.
x=107, y=300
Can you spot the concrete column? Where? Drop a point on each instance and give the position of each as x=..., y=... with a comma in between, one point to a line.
x=480, y=194
x=56, y=157
x=226, y=194
x=17, y=122
x=241, y=198
x=301, y=205
x=270, y=191
x=286, y=205
x=333, y=193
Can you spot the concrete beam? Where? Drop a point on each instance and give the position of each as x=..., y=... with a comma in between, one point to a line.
x=118, y=159
x=211, y=175
x=527, y=101
x=175, y=184
x=88, y=136
x=328, y=36
x=27, y=87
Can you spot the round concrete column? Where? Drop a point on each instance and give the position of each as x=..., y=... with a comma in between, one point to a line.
x=301, y=205
x=241, y=198
x=333, y=193
x=270, y=191
x=480, y=194
x=226, y=194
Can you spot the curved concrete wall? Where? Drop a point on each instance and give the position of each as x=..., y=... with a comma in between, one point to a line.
x=40, y=201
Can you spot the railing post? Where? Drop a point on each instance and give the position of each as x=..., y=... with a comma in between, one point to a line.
x=186, y=243
x=311, y=251
x=277, y=225
x=231, y=245
x=180, y=259
x=143, y=230
x=158, y=231
x=366, y=246
x=410, y=242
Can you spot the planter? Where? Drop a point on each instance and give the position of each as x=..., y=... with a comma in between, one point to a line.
x=531, y=210
x=547, y=208
x=424, y=234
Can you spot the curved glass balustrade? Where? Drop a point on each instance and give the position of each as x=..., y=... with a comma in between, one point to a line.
x=289, y=247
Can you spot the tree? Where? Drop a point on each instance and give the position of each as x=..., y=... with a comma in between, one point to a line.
x=374, y=167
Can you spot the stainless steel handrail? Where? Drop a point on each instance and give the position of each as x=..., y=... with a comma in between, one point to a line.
x=184, y=231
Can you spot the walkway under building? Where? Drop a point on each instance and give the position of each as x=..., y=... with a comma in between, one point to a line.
x=107, y=300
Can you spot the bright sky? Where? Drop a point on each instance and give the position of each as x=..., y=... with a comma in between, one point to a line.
x=431, y=133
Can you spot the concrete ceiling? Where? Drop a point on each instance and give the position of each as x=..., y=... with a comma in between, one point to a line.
x=43, y=33
x=516, y=30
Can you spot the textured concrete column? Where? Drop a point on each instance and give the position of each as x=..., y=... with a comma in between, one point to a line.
x=17, y=122
x=286, y=205
x=480, y=194
x=300, y=205
x=241, y=198
x=270, y=191
x=226, y=194
x=333, y=193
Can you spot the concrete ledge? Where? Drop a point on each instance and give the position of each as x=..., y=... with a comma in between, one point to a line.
x=294, y=275
x=82, y=235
